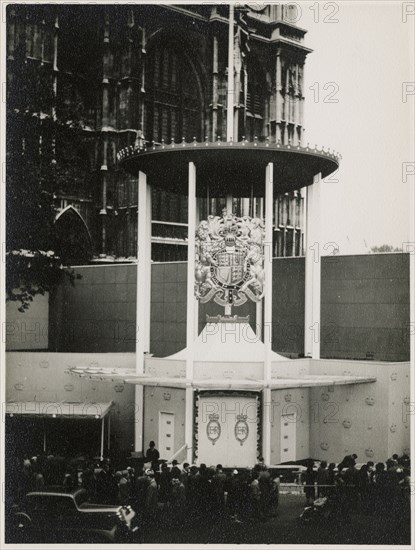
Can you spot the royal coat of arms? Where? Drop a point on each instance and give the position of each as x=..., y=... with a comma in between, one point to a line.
x=229, y=266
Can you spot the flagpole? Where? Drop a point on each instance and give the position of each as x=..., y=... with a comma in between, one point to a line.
x=231, y=90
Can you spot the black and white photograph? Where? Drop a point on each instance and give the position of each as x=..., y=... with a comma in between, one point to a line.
x=207, y=276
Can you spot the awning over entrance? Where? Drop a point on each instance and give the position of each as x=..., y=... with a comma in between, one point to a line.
x=310, y=381
x=101, y=373
x=250, y=384
x=128, y=376
x=64, y=410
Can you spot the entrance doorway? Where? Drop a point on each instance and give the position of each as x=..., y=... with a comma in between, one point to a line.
x=166, y=435
x=227, y=427
x=288, y=438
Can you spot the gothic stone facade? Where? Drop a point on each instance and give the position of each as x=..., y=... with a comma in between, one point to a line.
x=124, y=73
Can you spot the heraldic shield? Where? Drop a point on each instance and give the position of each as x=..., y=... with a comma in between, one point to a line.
x=229, y=266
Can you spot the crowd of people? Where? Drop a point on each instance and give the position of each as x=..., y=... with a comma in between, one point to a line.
x=381, y=489
x=181, y=494
x=160, y=492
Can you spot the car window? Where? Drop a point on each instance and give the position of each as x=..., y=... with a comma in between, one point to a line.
x=52, y=505
x=64, y=505
x=38, y=503
x=81, y=498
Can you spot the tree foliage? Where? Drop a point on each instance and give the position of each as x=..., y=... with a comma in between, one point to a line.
x=32, y=174
x=384, y=248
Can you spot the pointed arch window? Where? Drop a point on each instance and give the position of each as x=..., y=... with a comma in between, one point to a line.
x=174, y=105
x=255, y=102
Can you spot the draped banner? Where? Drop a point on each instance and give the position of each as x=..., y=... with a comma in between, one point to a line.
x=227, y=430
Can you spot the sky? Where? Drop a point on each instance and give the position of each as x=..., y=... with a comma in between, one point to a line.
x=366, y=50
x=368, y=54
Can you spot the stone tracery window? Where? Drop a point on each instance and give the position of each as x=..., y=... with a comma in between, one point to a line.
x=255, y=102
x=174, y=105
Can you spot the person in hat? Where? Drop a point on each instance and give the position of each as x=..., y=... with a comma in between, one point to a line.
x=153, y=456
x=265, y=486
x=164, y=485
x=322, y=479
x=141, y=485
x=310, y=478
x=123, y=488
x=178, y=500
x=152, y=498
x=192, y=499
x=184, y=476
x=255, y=496
x=348, y=462
x=218, y=484
x=234, y=491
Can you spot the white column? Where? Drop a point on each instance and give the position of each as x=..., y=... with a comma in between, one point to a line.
x=147, y=324
x=313, y=249
x=412, y=279
x=109, y=431
x=143, y=298
x=269, y=202
x=245, y=207
x=260, y=305
x=258, y=320
x=190, y=323
x=196, y=302
x=231, y=79
x=102, y=438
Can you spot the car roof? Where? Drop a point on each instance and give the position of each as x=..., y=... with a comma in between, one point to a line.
x=57, y=490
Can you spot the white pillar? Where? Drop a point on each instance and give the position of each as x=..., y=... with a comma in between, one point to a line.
x=412, y=280
x=109, y=431
x=269, y=202
x=191, y=303
x=143, y=299
x=313, y=250
x=258, y=320
x=258, y=211
x=229, y=204
x=196, y=302
x=245, y=207
x=102, y=438
x=147, y=324
x=231, y=79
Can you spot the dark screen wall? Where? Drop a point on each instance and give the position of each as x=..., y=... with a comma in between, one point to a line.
x=288, y=302
x=364, y=308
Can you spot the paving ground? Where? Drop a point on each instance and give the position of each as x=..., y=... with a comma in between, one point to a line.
x=287, y=529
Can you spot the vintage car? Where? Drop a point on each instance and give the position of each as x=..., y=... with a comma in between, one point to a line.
x=56, y=515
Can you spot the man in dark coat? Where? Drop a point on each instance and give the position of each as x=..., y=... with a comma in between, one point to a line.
x=322, y=479
x=310, y=479
x=347, y=462
x=153, y=456
x=219, y=482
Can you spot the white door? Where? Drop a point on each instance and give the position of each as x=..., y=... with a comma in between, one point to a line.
x=288, y=437
x=166, y=435
x=227, y=431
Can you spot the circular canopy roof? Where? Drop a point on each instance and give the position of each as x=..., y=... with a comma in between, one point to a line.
x=228, y=168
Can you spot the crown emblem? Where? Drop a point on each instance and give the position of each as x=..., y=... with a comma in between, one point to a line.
x=241, y=428
x=213, y=429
